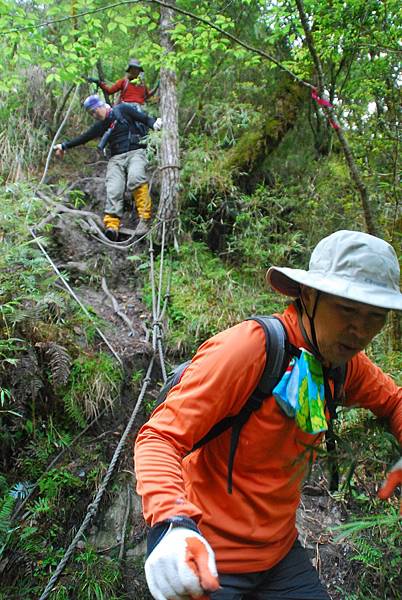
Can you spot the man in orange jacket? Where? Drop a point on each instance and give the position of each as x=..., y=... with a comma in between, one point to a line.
x=241, y=545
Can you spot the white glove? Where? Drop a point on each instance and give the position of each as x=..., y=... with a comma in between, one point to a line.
x=181, y=565
x=158, y=124
x=59, y=150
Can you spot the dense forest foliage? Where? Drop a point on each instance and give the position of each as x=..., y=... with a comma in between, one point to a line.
x=288, y=130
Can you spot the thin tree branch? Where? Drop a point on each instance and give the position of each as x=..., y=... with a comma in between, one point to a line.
x=116, y=307
x=330, y=113
x=77, y=87
x=311, y=46
x=62, y=105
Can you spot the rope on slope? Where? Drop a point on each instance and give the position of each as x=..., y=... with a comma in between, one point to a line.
x=93, y=507
x=157, y=331
x=157, y=347
x=92, y=221
x=123, y=245
x=74, y=295
x=158, y=304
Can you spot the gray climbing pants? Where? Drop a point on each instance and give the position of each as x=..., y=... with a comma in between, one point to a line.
x=124, y=169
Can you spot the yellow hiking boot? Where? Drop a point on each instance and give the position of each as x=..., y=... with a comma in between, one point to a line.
x=143, y=202
x=112, y=226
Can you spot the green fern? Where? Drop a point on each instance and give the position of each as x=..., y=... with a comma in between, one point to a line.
x=21, y=490
x=52, y=306
x=59, y=363
x=369, y=555
x=73, y=410
x=40, y=506
x=6, y=509
x=3, y=484
x=390, y=521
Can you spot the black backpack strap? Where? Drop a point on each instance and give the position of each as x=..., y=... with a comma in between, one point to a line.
x=278, y=352
x=338, y=375
x=173, y=379
x=277, y=355
x=133, y=136
x=119, y=117
x=333, y=400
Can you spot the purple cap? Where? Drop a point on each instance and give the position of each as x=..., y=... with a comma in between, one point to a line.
x=93, y=102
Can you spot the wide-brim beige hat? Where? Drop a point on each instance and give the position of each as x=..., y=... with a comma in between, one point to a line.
x=349, y=264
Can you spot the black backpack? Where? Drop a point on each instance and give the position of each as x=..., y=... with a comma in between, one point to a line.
x=278, y=352
x=134, y=137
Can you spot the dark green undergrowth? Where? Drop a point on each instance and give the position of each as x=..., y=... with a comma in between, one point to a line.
x=89, y=576
x=367, y=450
x=373, y=529
x=208, y=295
x=53, y=381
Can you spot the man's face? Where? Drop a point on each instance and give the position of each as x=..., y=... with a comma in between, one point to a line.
x=343, y=327
x=133, y=73
x=99, y=113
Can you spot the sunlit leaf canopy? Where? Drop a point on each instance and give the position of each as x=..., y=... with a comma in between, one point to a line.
x=357, y=41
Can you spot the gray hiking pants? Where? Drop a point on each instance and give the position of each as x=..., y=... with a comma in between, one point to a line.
x=129, y=168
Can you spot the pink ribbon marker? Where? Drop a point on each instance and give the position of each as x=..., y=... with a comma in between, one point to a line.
x=319, y=100
x=334, y=124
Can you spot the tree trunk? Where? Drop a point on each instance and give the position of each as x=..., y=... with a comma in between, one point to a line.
x=101, y=75
x=169, y=152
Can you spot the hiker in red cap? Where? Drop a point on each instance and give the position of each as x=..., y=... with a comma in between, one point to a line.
x=132, y=88
x=241, y=541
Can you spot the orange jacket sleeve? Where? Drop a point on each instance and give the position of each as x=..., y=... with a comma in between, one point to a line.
x=112, y=89
x=369, y=387
x=217, y=383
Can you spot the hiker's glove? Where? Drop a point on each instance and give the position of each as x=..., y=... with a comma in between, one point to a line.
x=93, y=80
x=182, y=564
x=157, y=126
x=59, y=150
x=394, y=478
